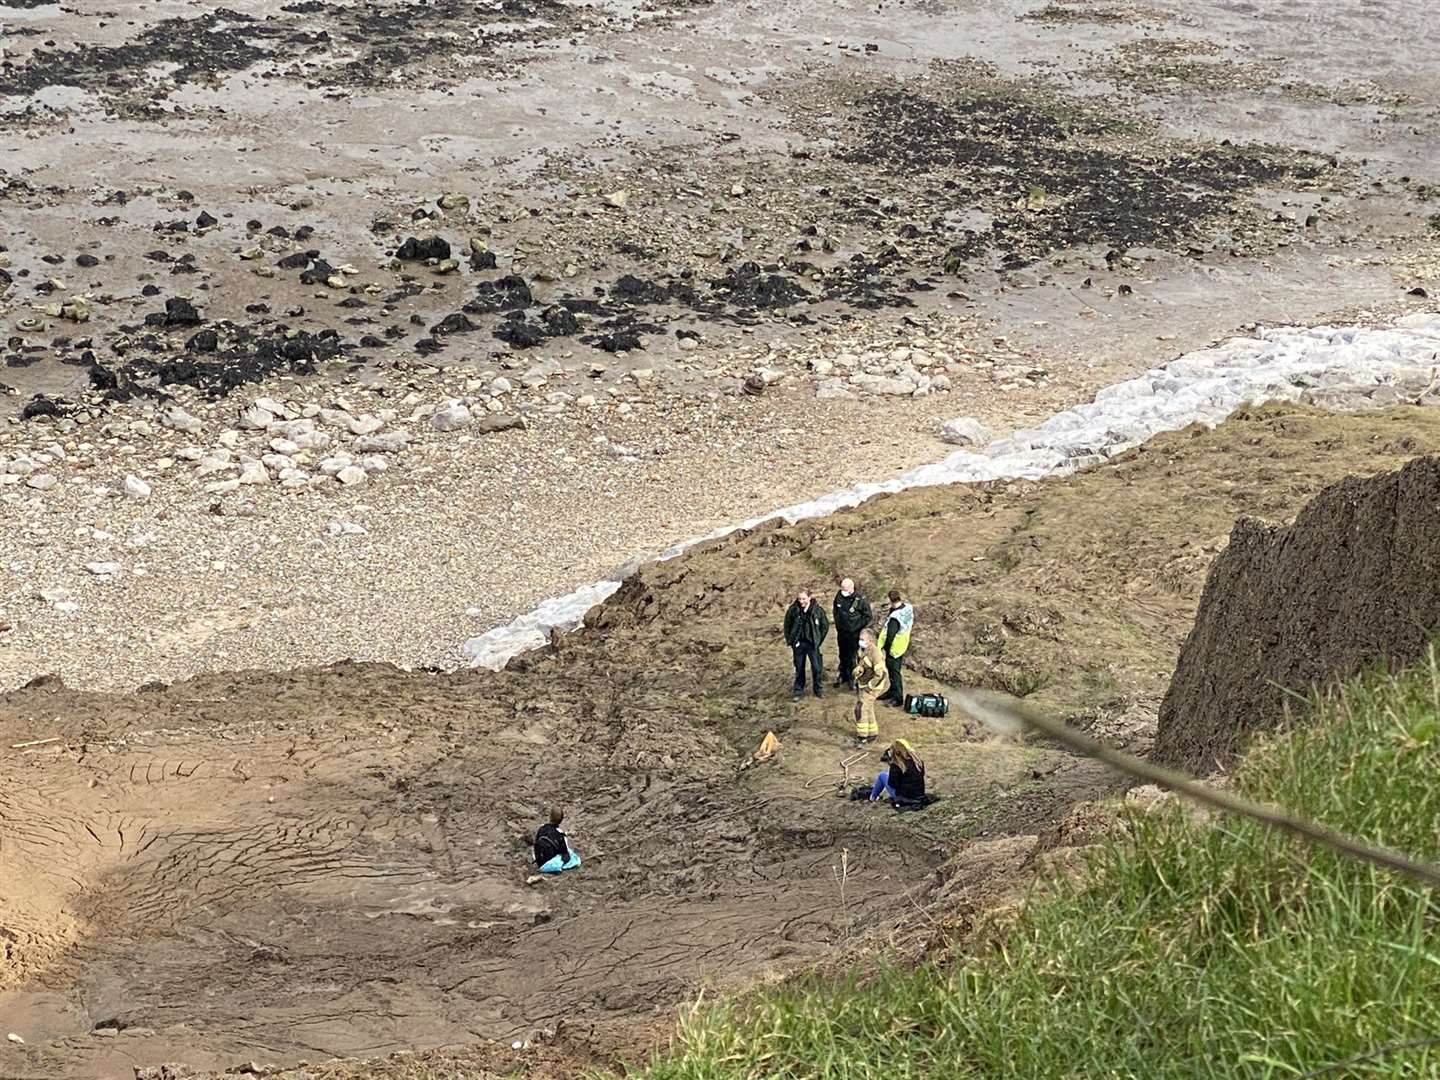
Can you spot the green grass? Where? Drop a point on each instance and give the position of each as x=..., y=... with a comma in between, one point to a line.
x=1188, y=949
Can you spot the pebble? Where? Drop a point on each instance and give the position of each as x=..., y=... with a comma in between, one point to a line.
x=351, y=475
x=41, y=481
x=136, y=488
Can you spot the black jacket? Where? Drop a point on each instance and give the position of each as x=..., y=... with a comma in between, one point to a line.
x=909, y=783
x=549, y=842
x=809, y=626
x=852, y=614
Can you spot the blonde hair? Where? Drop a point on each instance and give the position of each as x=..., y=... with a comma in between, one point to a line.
x=903, y=756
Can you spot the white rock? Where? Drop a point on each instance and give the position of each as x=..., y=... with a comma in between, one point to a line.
x=540, y=373
x=41, y=481
x=103, y=569
x=331, y=466
x=177, y=419
x=284, y=446
x=965, y=431
x=374, y=463
x=311, y=440
x=392, y=442
x=290, y=429
x=275, y=408
x=214, y=464
x=277, y=462
x=256, y=418
x=450, y=418
x=335, y=417
x=351, y=475
x=882, y=385
x=254, y=472
x=501, y=385
x=366, y=425
x=136, y=488
x=222, y=487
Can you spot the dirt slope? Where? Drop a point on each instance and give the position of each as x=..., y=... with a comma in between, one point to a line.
x=1354, y=581
x=332, y=862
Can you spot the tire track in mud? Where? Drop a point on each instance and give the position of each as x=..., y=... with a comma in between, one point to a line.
x=313, y=879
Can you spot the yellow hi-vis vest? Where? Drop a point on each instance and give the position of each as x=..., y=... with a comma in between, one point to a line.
x=905, y=616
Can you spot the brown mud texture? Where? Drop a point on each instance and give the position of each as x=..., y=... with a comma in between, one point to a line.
x=278, y=867
x=1353, y=583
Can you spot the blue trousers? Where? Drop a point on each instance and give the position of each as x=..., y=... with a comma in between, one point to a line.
x=554, y=866
x=881, y=786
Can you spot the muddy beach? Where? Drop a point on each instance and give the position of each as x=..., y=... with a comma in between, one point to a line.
x=341, y=331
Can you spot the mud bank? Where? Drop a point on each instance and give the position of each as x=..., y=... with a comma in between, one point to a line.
x=342, y=851
x=1350, y=584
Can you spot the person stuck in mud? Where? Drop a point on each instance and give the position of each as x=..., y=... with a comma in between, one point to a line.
x=805, y=628
x=903, y=780
x=871, y=681
x=852, y=614
x=552, y=849
x=894, y=640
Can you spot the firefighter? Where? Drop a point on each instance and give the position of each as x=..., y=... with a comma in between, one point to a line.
x=870, y=680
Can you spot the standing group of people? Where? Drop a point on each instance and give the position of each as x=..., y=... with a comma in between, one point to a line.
x=869, y=664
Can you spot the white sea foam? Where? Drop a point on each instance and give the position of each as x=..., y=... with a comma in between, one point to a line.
x=1200, y=387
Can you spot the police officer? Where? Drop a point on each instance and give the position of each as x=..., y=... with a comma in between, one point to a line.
x=806, y=625
x=852, y=614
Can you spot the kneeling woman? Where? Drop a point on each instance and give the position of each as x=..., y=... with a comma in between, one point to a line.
x=552, y=852
x=904, y=778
